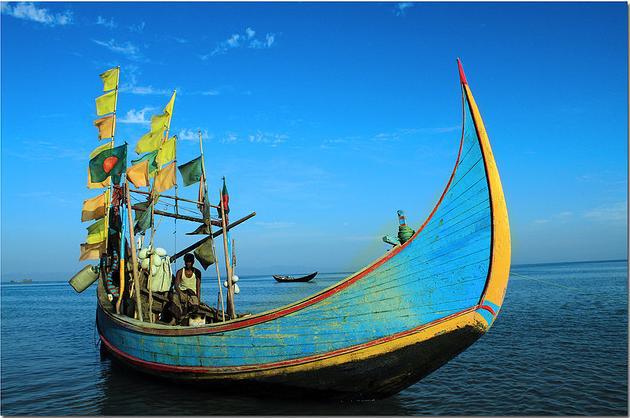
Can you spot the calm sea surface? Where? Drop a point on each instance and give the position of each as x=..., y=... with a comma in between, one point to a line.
x=559, y=347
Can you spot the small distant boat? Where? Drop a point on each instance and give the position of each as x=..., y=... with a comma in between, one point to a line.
x=284, y=279
x=22, y=281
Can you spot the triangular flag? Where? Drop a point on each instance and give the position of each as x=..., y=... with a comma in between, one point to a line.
x=91, y=251
x=97, y=232
x=165, y=179
x=106, y=103
x=169, y=106
x=138, y=174
x=95, y=207
x=149, y=142
x=167, y=152
x=110, y=79
x=105, y=126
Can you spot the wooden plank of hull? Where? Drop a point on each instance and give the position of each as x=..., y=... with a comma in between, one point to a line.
x=451, y=275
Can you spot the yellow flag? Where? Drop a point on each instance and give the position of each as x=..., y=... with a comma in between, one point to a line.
x=167, y=152
x=92, y=251
x=138, y=174
x=106, y=103
x=149, y=142
x=95, y=208
x=100, y=185
x=159, y=122
x=165, y=179
x=169, y=106
x=105, y=126
x=110, y=79
x=97, y=232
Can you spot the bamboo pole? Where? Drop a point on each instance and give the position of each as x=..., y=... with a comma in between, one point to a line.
x=134, y=260
x=173, y=197
x=121, y=262
x=173, y=215
x=214, y=251
x=230, y=294
x=111, y=145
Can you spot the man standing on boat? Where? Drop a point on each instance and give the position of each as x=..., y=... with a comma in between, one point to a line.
x=186, y=289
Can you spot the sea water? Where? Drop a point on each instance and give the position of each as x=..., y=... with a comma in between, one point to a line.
x=558, y=347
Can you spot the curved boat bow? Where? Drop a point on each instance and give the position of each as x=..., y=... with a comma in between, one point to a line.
x=373, y=333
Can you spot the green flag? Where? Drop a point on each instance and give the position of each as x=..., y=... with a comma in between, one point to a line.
x=151, y=158
x=143, y=218
x=110, y=162
x=191, y=171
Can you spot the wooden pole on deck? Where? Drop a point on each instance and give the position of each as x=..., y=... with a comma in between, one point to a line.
x=216, y=264
x=228, y=265
x=134, y=260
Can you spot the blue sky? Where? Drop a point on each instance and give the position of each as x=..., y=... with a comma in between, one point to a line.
x=325, y=118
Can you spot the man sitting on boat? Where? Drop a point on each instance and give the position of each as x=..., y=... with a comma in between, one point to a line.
x=186, y=289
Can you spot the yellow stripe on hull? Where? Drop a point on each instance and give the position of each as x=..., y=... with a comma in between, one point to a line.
x=501, y=244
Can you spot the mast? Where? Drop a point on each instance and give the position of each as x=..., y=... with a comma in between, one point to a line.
x=205, y=188
x=134, y=260
x=153, y=202
x=228, y=268
x=111, y=146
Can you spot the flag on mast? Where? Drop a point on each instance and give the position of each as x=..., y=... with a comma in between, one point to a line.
x=106, y=103
x=105, y=126
x=110, y=162
x=110, y=79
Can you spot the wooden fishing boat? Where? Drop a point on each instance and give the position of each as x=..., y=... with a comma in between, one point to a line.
x=373, y=333
x=289, y=279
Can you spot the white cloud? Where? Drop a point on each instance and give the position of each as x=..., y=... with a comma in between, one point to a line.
x=210, y=93
x=193, y=134
x=128, y=49
x=612, y=213
x=28, y=11
x=107, y=23
x=136, y=116
x=230, y=137
x=242, y=40
x=275, y=225
x=139, y=28
x=270, y=38
x=147, y=90
x=399, y=8
x=272, y=139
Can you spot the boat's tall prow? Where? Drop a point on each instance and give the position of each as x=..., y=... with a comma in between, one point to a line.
x=373, y=333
